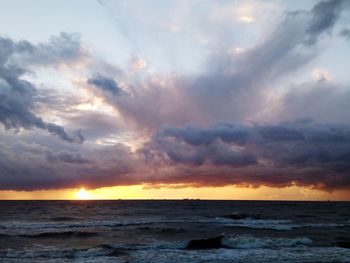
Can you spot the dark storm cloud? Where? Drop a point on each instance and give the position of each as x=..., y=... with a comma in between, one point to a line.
x=17, y=96
x=202, y=145
x=297, y=153
x=345, y=33
x=33, y=167
x=106, y=84
x=226, y=132
x=302, y=153
x=280, y=133
x=324, y=16
x=65, y=48
x=66, y=156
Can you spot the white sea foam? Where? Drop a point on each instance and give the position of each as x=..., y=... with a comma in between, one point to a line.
x=151, y=246
x=242, y=249
x=287, y=255
x=274, y=224
x=247, y=242
x=250, y=242
x=40, y=253
x=324, y=225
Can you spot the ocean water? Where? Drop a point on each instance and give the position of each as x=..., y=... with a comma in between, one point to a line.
x=174, y=231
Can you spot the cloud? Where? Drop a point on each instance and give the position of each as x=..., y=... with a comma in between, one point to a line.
x=225, y=132
x=95, y=125
x=324, y=16
x=246, y=19
x=321, y=75
x=65, y=48
x=17, y=96
x=106, y=84
x=35, y=166
x=66, y=156
x=137, y=63
x=322, y=101
x=198, y=129
x=345, y=33
x=300, y=153
x=232, y=87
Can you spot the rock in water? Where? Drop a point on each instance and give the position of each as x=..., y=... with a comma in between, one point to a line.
x=237, y=216
x=344, y=244
x=209, y=243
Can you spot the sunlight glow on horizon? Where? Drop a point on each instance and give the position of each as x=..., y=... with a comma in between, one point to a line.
x=82, y=194
x=135, y=192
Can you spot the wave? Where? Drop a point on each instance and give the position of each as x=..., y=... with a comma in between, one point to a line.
x=179, y=245
x=343, y=244
x=286, y=252
x=246, y=222
x=65, y=234
x=53, y=252
x=223, y=241
x=83, y=224
x=118, y=250
x=272, y=224
x=261, y=255
x=275, y=224
x=63, y=218
x=325, y=225
x=53, y=225
x=237, y=216
x=248, y=242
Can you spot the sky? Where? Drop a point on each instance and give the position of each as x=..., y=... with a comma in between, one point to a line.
x=175, y=99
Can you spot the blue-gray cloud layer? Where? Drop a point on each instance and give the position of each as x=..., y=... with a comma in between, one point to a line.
x=17, y=95
x=300, y=153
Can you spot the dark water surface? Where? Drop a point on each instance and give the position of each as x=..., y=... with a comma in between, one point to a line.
x=174, y=231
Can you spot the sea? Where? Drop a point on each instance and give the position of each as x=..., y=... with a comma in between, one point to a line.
x=174, y=231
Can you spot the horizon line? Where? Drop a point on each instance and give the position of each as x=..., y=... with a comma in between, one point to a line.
x=178, y=199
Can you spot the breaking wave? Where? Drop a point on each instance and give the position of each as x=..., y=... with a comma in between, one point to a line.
x=249, y=242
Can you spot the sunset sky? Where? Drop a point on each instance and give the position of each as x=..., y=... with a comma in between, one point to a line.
x=175, y=99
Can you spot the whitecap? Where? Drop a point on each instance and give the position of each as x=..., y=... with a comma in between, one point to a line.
x=249, y=242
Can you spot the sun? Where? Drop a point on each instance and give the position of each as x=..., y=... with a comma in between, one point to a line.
x=82, y=194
